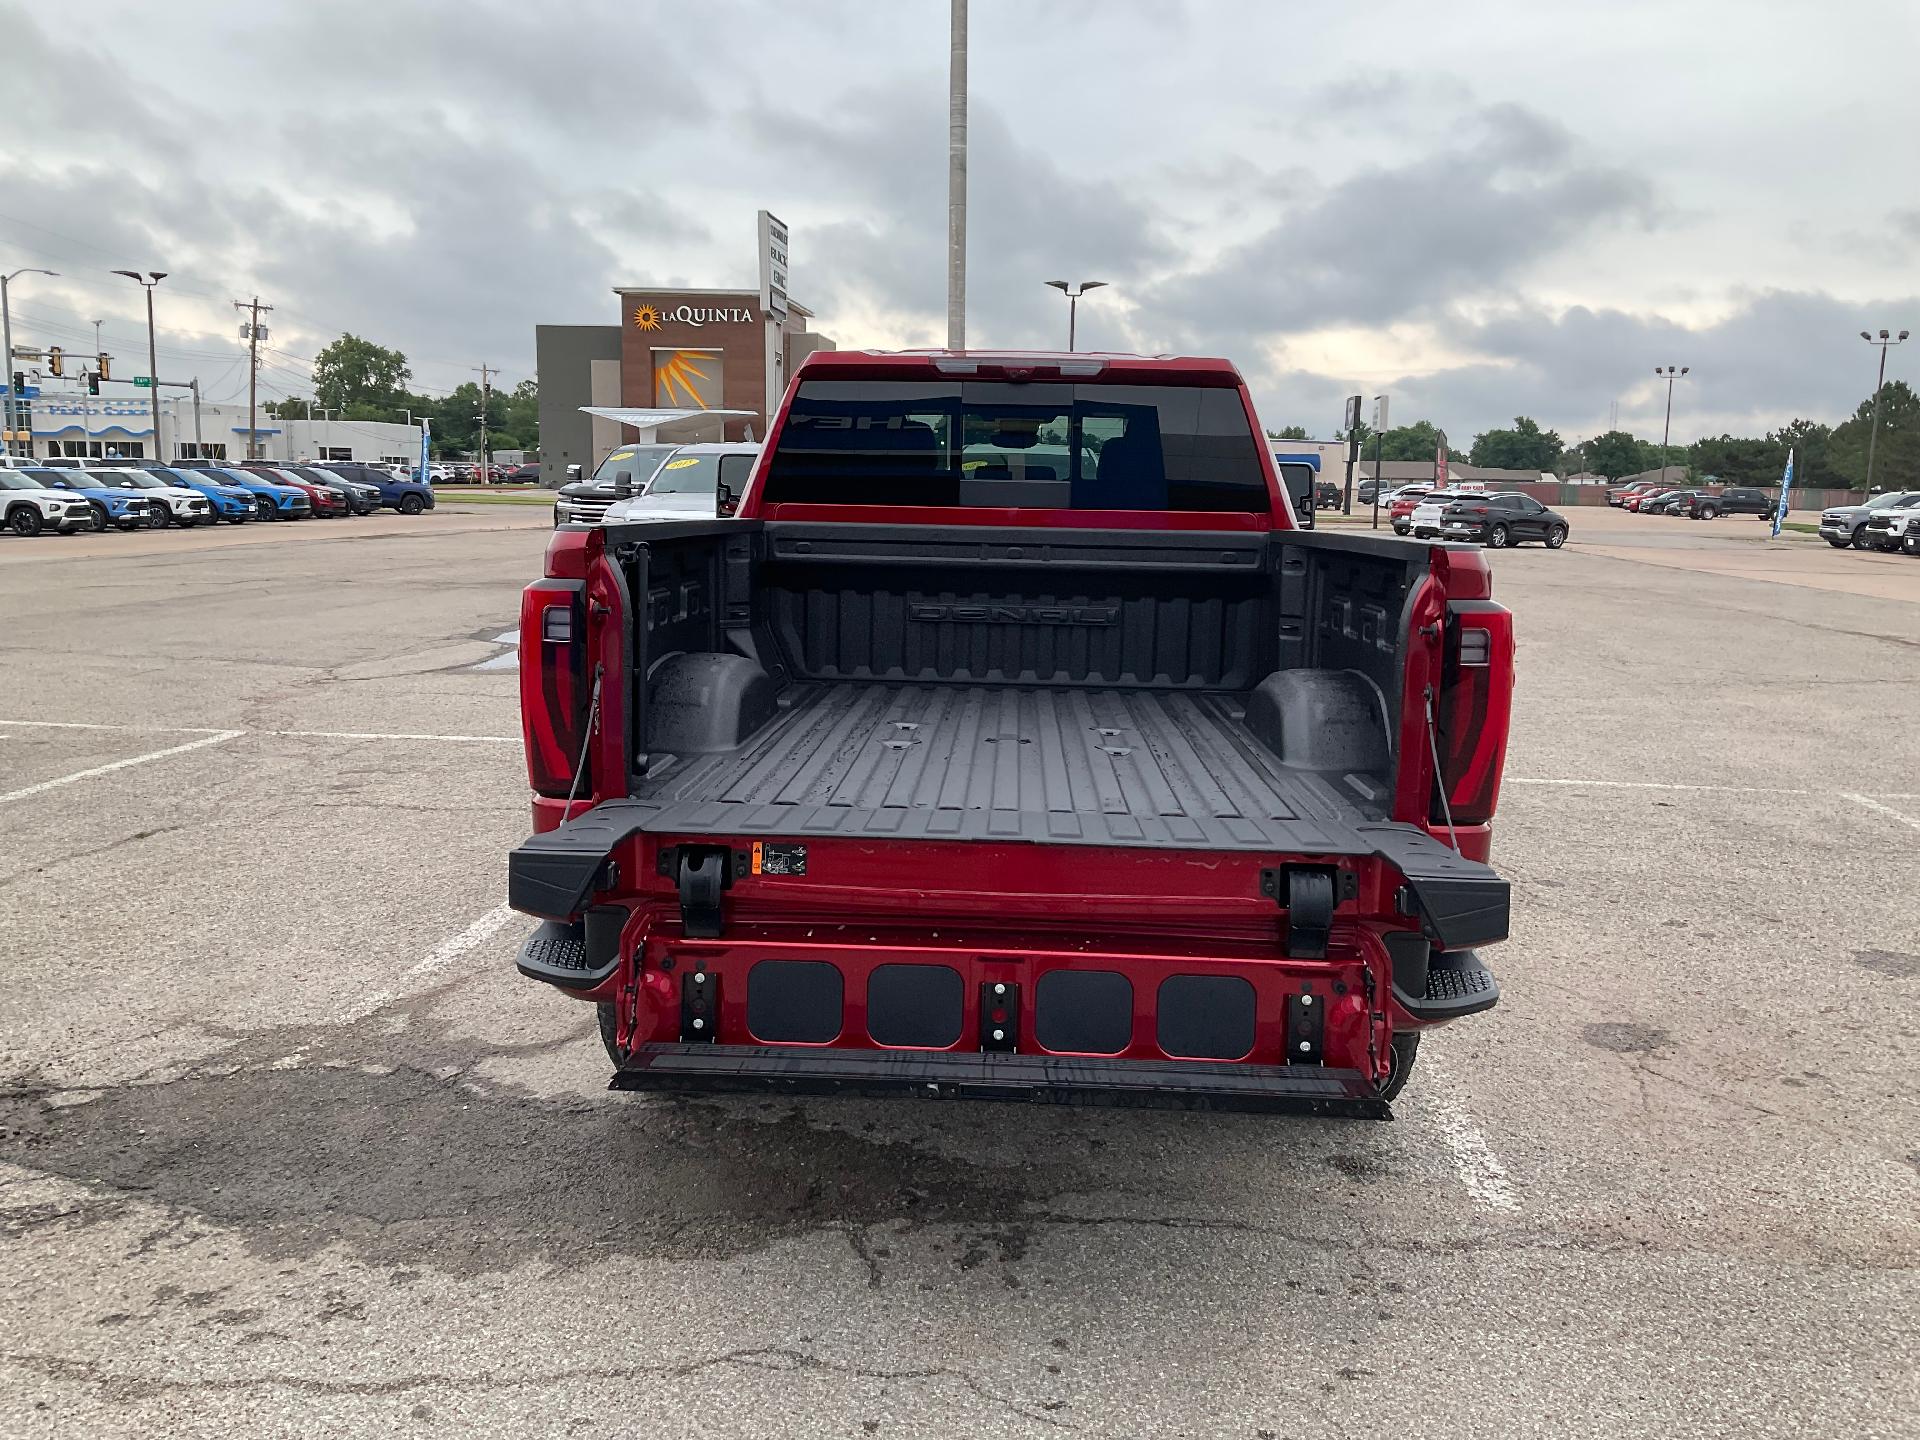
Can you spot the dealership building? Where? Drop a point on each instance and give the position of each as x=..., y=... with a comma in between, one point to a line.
x=78, y=425
x=667, y=350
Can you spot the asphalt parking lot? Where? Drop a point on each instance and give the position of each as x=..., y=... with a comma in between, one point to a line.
x=287, y=1148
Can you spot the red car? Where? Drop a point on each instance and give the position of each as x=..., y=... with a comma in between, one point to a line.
x=1402, y=503
x=1626, y=493
x=326, y=502
x=953, y=767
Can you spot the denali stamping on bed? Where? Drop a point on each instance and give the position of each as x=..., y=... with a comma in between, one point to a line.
x=1012, y=742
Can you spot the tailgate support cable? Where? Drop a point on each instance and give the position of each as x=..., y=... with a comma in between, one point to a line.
x=1433, y=748
x=586, y=739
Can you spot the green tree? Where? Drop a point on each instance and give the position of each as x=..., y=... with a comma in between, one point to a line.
x=1417, y=441
x=1289, y=432
x=352, y=371
x=1896, y=457
x=291, y=408
x=1613, y=454
x=1525, y=447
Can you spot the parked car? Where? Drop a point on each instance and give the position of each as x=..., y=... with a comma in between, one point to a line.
x=110, y=505
x=1364, y=491
x=173, y=504
x=1400, y=506
x=1620, y=495
x=327, y=503
x=1685, y=502
x=1497, y=521
x=625, y=471
x=363, y=498
x=695, y=481
x=522, y=475
x=397, y=491
x=230, y=502
x=1423, y=521
x=1910, y=540
x=273, y=500
x=1737, y=500
x=1845, y=525
x=1885, y=529
x=1657, y=503
x=28, y=508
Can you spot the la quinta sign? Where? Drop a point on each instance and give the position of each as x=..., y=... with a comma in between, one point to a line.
x=652, y=317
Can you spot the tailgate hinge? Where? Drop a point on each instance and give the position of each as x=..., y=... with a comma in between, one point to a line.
x=701, y=872
x=1309, y=894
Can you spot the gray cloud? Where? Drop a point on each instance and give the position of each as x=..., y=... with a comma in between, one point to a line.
x=1031, y=216
x=1505, y=191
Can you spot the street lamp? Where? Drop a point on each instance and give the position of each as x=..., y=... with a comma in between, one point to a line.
x=1885, y=343
x=153, y=362
x=1671, y=374
x=6, y=345
x=1073, y=301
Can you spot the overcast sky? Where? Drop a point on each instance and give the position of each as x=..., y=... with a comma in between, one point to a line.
x=1483, y=210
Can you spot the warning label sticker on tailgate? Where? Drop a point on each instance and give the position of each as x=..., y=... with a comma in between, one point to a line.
x=770, y=858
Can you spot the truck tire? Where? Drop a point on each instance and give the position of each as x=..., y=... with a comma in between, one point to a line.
x=1707, y=512
x=1406, y=1045
x=1859, y=537
x=609, y=1029
x=25, y=520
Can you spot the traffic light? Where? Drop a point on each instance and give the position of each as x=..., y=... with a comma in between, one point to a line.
x=106, y=366
x=56, y=362
x=93, y=382
x=19, y=381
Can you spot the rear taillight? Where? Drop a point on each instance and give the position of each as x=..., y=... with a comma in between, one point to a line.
x=1479, y=510
x=553, y=683
x=1472, y=711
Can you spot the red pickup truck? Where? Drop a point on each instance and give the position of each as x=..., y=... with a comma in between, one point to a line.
x=1012, y=741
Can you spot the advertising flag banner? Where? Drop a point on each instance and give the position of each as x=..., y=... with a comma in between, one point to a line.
x=422, y=475
x=1786, y=484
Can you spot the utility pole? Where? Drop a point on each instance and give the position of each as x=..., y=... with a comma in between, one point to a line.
x=957, y=181
x=486, y=467
x=1666, y=434
x=253, y=307
x=199, y=446
x=1885, y=342
x=11, y=413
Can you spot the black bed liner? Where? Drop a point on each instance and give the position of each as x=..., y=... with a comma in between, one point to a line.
x=1161, y=769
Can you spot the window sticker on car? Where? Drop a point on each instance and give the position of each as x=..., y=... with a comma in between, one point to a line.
x=682, y=463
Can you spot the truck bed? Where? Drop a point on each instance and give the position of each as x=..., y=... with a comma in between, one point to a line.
x=1063, y=765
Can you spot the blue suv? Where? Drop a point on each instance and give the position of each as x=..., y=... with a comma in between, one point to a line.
x=409, y=497
x=230, y=503
x=113, y=508
x=277, y=502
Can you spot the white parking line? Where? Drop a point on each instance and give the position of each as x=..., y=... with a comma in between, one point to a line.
x=217, y=738
x=1681, y=785
x=437, y=959
x=296, y=734
x=1479, y=1169
x=1886, y=810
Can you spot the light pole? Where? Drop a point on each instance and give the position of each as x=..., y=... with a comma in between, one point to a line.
x=153, y=360
x=1873, y=439
x=326, y=420
x=1666, y=434
x=1073, y=301
x=957, y=176
x=6, y=344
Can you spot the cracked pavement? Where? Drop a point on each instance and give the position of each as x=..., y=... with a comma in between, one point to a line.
x=267, y=1169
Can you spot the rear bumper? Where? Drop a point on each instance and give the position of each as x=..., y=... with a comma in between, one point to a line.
x=1040, y=1079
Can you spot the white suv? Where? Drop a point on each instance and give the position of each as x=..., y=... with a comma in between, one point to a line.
x=174, y=504
x=27, y=507
x=1425, y=520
